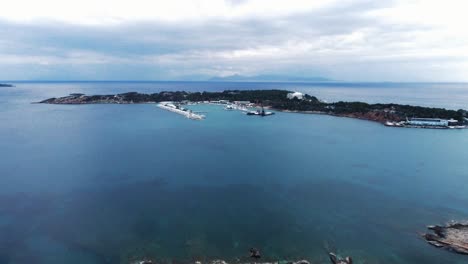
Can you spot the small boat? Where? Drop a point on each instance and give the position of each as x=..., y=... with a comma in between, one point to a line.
x=457, y=127
x=229, y=107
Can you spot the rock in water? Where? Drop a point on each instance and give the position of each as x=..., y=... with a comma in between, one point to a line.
x=219, y=261
x=142, y=262
x=335, y=260
x=255, y=253
x=453, y=236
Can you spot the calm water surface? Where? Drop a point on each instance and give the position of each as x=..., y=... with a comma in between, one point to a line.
x=107, y=183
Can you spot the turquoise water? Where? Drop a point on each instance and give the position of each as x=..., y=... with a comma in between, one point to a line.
x=106, y=183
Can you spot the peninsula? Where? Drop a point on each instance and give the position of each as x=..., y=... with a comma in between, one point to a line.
x=283, y=100
x=5, y=85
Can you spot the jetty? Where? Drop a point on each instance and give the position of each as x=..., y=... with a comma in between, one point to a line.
x=175, y=108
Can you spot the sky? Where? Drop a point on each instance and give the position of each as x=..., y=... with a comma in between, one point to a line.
x=347, y=40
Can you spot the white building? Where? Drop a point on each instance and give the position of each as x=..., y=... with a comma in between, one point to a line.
x=428, y=122
x=297, y=95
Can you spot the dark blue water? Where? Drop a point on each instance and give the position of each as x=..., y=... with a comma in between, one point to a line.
x=110, y=183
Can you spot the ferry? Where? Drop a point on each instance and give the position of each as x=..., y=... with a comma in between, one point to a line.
x=260, y=113
x=435, y=123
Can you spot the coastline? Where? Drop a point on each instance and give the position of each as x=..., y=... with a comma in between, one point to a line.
x=358, y=118
x=392, y=115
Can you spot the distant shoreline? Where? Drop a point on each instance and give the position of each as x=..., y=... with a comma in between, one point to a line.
x=287, y=101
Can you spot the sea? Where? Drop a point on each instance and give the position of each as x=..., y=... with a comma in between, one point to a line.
x=105, y=184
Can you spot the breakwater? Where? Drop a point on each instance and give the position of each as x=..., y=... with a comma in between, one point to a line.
x=181, y=111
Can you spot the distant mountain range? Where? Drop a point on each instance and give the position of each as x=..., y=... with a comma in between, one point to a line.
x=268, y=78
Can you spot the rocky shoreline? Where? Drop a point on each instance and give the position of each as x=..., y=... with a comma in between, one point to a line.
x=220, y=261
x=453, y=236
x=334, y=259
x=362, y=116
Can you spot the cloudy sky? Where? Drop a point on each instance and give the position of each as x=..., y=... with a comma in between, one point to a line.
x=352, y=40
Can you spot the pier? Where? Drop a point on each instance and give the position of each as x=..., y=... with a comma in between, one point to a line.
x=169, y=106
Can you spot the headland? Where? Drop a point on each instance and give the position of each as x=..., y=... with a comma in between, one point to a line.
x=394, y=115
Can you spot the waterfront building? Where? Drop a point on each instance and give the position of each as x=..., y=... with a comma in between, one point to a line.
x=430, y=122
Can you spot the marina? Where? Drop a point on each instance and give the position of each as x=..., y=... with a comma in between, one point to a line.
x=235, y=106
x=228, y=106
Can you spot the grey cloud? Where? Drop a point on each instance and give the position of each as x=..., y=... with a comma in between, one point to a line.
x=338, y=41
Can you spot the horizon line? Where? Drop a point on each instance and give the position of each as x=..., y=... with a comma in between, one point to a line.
x=228, y=81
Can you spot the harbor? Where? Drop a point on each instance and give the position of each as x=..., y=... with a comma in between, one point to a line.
x=242, y=106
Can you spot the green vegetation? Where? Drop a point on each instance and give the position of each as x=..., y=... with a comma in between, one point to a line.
x=266, y=97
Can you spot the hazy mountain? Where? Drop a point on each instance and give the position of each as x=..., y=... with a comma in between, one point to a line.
x=269, y=78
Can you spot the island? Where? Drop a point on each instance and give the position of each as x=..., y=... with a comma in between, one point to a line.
x=5, y=85
x=396, y=115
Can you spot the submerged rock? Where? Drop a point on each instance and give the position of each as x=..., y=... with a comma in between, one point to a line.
x=219, y=261
x=255, y=253
x=302, y=262
x=143, y=262
x=453, y=236
x=335, y=260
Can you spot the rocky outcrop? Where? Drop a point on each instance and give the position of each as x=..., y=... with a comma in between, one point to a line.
x=452, y=236
x=336, y=260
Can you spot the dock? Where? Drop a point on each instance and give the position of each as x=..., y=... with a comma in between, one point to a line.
x=170, y=106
